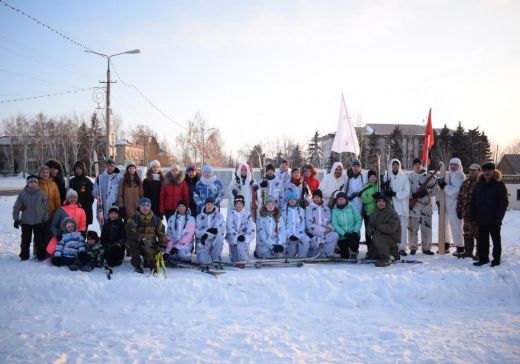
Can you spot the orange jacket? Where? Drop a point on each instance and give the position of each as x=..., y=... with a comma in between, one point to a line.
x=52, y=193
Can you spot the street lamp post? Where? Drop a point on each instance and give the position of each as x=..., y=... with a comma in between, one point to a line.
x=108, y=82
x=203, y=137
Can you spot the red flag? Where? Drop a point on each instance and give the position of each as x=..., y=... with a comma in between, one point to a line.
x=428, y=140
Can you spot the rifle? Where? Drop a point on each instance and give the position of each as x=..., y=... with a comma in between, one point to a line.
x=358, y=194
x=261, y=163
x=422, y=189
x=332, y=200
x=100, y=208
x=303, y=202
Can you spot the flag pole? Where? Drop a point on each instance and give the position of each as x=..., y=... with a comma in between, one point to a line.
x=427, y=153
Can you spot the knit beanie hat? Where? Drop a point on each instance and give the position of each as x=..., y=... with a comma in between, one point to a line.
x=155, y=162
x=71, y=193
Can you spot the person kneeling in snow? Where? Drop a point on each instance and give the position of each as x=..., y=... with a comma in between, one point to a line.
x=297, y=240
x=270, y=240
x=180, y=232
x=385, y=228
x=146, y=237
x=240, y=230
x=93, y=256
x=319, y=227
x=70, y=246
x=346, y=221
x=113, y=238
x=209, y=234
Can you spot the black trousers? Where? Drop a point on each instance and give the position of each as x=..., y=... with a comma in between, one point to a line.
x=114, y=255
x=38, y=246
x=368, y=237
x=484, y=231
x=347, y=244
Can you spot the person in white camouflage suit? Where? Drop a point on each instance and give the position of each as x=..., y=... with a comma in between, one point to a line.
x=421, y=208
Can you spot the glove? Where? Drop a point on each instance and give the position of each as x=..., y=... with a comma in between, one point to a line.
x=203, y=239
x=212, y=230
x=419, y=194
x=86, y=268
x=459, y=215
x=305, y=190
x=16, y=224
x=277, y=248
x=241, y=238
x=438, y=204
x=441, y=183
x=263, y=184
x=293, y=238
x=390, y=193
x=234, y=192
x=146, y=242
x=256, y=187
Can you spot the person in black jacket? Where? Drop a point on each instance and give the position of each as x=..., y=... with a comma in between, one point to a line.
x=83, y=186
x=58, y=176
x=152, y=185
x=191, y=178
x=113, y=238
x=489, y=203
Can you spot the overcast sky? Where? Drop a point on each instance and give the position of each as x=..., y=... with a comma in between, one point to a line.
x=258, y=69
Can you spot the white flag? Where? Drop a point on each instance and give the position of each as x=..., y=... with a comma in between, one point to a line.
x=346, y=138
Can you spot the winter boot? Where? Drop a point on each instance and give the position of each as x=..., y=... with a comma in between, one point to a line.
x=383, y=263
x=495, y=262
x=446, y=248
x=480, y=263
x=73, y=267
x=459, y=253
x=138, y=269
x=353, y=255
x=469, y=245
x=413, y=251
x=428, y=252
x=394, y=252
x=403, y=253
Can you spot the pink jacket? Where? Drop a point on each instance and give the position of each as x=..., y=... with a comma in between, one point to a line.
x=180, y=232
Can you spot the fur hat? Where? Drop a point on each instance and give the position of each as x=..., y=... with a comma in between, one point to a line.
x=489, y=166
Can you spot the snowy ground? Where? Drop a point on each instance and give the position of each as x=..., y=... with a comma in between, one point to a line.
x=442, y=311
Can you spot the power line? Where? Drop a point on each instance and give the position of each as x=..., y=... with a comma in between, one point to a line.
x=36, y=56
x=146, y=98
x=35, y=78
x=76, y=43
x=47, y=95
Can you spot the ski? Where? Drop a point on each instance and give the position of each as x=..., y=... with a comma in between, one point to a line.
x=274, y=261
x=203, y=268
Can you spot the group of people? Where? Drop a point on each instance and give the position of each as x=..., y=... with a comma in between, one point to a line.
x=289, y=212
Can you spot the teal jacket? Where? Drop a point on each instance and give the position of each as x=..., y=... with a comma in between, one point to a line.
x=346, y=220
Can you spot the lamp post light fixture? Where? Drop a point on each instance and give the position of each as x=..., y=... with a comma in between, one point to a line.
x=108, y=82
